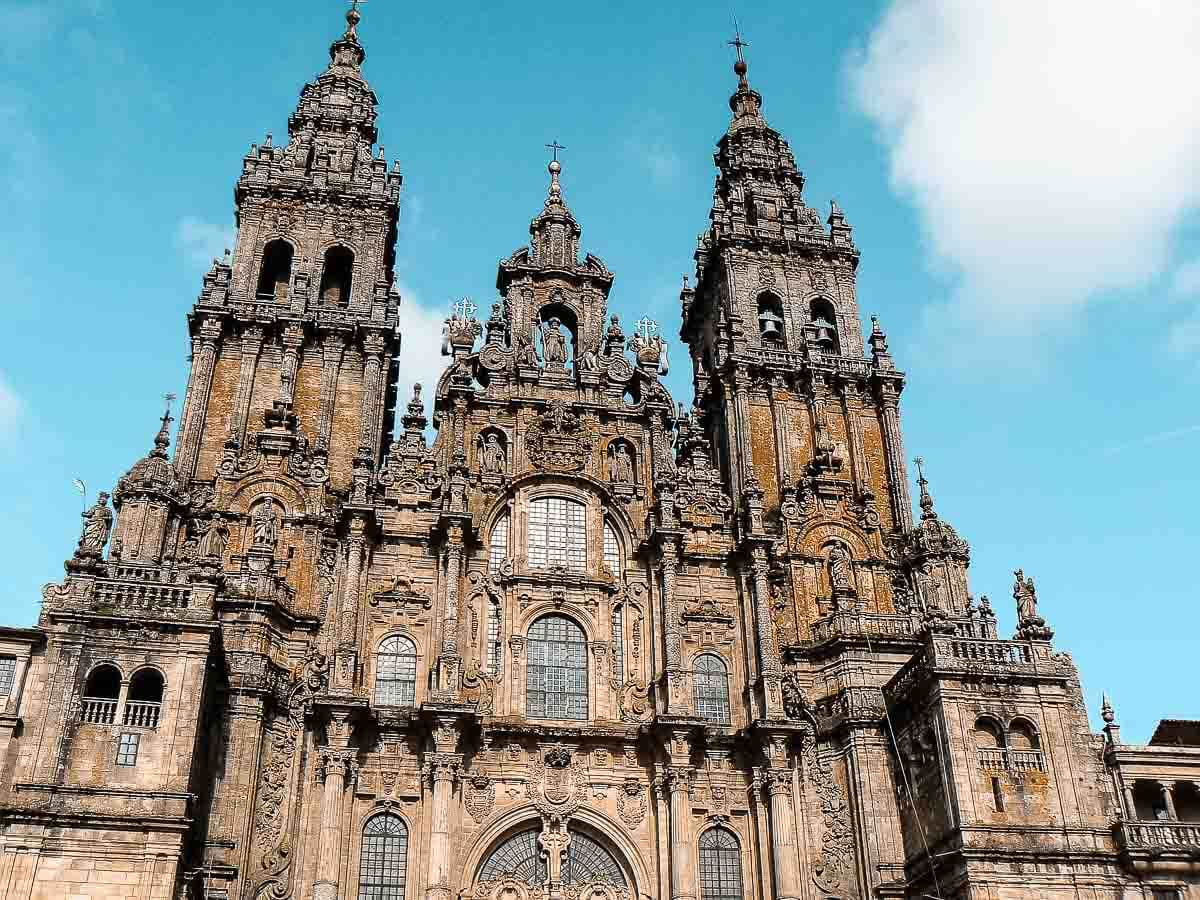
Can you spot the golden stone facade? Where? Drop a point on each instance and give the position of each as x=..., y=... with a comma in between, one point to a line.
x=586, y=644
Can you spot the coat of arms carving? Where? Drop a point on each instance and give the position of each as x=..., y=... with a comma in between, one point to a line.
x=556, y=440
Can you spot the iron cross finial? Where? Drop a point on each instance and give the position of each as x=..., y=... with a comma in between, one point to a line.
x=464, y=308
x=646, y=328
x=737, y=43
x=354, y=4
x=920, y=468
x=555, y=146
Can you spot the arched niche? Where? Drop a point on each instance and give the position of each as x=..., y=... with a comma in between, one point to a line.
x=771, y=328
x=337, y=276
x=275, y=271
x=558, y=337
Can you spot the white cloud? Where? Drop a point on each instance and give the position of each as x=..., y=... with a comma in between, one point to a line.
x=650, y=148
x=11, y=408
x=201, y=241
x=421, y=357
x=1050, y=148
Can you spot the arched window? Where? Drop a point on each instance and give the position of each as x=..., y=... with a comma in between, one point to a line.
x=618, y=643
x=337, y=276
x=101, y=694
x=276, y=272
x=720, y=865
x=520, y=858
x=770, y=320
x=612, y=551
x=824, y=324
x=383, y=862
x=557, y=680
x=988, y=735
x=557, y=535
x=396, y=672
x=143, y=703
x=498, y=545
x=1022, y=735
x=711, y=680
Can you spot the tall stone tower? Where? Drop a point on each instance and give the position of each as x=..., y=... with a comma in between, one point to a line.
x=586, y=644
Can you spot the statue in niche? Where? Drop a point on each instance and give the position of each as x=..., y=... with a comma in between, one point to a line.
x=97, y=523
x=554, y=344
x=587, y=361
x=216, y=538
x=492, y=458
x=841, y=571
x=526, y=352
x=622, y=464
x=266, y=528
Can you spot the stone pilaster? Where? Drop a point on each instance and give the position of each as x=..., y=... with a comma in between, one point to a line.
x=369, y=437
x=677, y=781
x=785, y=862
x=770, y=666
x=336, y=767
x=195, y=404
x=252, y=341
x=893, y=448
x=291, y=341
x=347, y=621
x=333, y=347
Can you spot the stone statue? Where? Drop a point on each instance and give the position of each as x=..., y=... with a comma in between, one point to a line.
x=841, y=573
x=493, y=458
x=554, y=344
x=97, y=523
x=266, y=529
x=587, y=361
x=622, y=465
x=1026, y=596
x=526, y=353
x=216, y=538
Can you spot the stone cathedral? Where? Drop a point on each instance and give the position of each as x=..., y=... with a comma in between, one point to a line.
x=587, y=643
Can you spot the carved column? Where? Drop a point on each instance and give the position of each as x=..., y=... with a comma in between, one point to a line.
x=441, y=769
x=779, y=396
x=516, y=699
x=369, y=438
x=893, y=448
x=291, y=340
x=741, y=435
x=336, y=766
x=195, y=404
x=783, y=833
x=677, y=782
x=347, y=621
x=858, y=461
x=333, y=346
x=450, y=658
x=252, y=341
x=771, y=668
x=677, y=697
x=1168, y=797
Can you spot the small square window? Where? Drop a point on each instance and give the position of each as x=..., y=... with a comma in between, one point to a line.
x=127, y=748
x=8, y=671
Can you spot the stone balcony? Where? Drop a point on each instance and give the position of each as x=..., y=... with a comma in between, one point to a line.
x=1163, y=836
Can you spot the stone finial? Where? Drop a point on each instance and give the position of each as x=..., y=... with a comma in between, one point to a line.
x=162, y=440
x=1112, y=731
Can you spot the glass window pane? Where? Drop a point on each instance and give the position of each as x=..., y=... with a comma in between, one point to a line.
x=383, y=862
x=498, y=546
x=711, y=689
x=612, y=551
x=396, y=672
x=8, y=670
x=557, y=677
x=720, y=865
x=557, y=536
x=618, y=645
x=520, y=858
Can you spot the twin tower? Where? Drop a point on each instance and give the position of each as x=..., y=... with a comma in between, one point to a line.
x=588, y=644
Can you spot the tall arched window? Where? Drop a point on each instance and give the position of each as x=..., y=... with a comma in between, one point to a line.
x=557, y=680
x=770, y=320
x=383, y=862
x=337, y=276
x=101, y=695
x=618, y=643
x=396, y=672
x=498, y=544
x=612, y=551
x=824, y=324
x=143, y=702
x=276, y=272
x=557, y=535
x=720, y=865
x=519, y=857
x=711, y=685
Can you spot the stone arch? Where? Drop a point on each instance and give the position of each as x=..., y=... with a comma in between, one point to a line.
x=612, y=454
x=276, y=265
x=482, y=442
x=1023, y=734
x=988, y=733
x=614, y=834
x=337, y=274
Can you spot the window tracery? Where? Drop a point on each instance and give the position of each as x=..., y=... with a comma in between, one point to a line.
x=498, y=545
x=711, y=686
x=396, y=672
x=557, y=534
x=383, y=862
x=520, y=857
x=557, y=676
x=720, y=865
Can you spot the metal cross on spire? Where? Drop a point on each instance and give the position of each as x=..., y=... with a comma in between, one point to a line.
x=354, y=4
x=555, y=146
x=920, y=468
x=645, y=327
x=464, y=308
x=737, y=43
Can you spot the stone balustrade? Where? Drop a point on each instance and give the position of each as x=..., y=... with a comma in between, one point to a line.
x=95, y=711
x=141, y=714
x=1159, y=834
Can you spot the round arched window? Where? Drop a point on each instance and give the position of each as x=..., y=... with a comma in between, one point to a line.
x=557, y=677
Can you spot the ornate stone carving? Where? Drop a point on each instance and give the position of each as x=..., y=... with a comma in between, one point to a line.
x=556, y=440
x=479, y=796
x=631, y=802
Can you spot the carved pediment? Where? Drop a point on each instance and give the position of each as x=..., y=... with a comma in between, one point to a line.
x=403, y=592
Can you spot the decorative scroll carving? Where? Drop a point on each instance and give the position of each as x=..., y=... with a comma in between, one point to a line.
x=833, y=870
x=633, y=702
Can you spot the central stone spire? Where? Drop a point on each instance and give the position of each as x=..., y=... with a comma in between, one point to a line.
x=555, y=232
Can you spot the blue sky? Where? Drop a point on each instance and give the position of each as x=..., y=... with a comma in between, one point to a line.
x=1023, y=179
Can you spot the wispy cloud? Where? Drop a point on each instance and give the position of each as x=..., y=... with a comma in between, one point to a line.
x=1044, y=175
x=421, y=359
x=650, y=147
x=200, y=242
x=1160, y=437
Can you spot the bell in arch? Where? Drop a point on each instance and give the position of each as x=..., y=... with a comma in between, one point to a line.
x=770, y=325
x=825, y=332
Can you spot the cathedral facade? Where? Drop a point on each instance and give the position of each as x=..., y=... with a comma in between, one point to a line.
x=588, y=643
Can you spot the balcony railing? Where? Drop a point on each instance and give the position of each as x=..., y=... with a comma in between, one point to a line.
x=96, y=711
x=992, y=653
x=142, y=714
x=1160, y=834
x=1012, y=760
x=853, y=624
